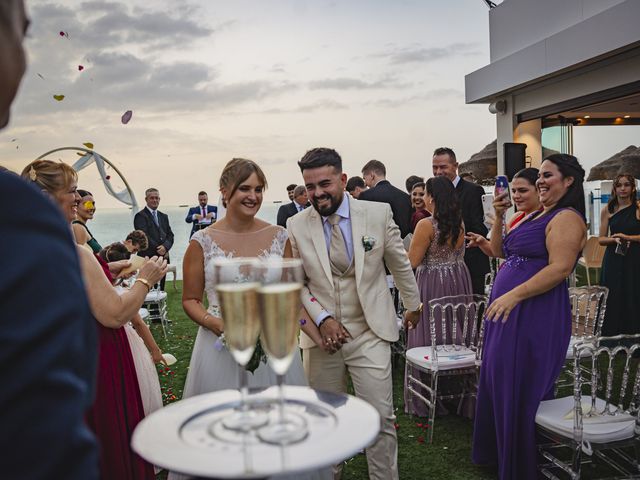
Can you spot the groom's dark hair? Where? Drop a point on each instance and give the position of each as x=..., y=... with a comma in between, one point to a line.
x=321, y=157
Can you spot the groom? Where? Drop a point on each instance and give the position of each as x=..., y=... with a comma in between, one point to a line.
x=344, y=245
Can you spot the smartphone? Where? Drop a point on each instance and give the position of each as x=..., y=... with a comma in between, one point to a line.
x=502, y=185
x=487, y=209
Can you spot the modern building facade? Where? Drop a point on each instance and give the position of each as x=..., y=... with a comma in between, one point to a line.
x=558, y=65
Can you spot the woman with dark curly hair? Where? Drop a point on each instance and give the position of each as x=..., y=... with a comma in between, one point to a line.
x=437, y=254
x=528, y=322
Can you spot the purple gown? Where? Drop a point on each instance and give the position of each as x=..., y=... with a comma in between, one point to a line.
x=521, y=359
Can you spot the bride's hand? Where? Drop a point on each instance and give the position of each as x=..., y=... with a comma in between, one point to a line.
x=215, y=324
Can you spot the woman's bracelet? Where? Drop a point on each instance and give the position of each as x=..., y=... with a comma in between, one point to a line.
x=144, y=282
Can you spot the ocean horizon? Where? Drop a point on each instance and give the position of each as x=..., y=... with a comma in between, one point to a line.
x=114, y=224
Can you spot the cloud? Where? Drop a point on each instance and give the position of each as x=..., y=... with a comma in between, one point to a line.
x=345, y=83
x=432, y=95
x=325, y=104
x=123, y=52
x=419, y=54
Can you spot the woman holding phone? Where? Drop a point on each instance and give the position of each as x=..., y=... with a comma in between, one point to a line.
x=525, y=197
x=528, y=321
x=620, y=232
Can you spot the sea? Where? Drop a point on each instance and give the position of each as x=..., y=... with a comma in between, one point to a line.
x=114, y=224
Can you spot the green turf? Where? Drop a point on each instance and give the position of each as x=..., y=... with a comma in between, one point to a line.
x=447, y=458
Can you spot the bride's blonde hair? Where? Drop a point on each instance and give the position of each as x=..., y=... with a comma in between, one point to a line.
x=237, y=171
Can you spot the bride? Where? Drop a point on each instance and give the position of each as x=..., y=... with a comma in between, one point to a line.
x=238, y=234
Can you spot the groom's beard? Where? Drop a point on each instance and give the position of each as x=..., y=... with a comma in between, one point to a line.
x=328, y=208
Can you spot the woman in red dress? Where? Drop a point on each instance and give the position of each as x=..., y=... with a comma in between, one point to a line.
x=117, y=408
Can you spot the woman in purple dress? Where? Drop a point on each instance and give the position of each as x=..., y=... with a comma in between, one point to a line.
x=437, y=254
x=528, y=321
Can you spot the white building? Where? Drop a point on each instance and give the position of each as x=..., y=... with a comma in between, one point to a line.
x=557, y=65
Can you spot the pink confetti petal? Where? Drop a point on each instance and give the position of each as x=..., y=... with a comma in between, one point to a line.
x=126, y=117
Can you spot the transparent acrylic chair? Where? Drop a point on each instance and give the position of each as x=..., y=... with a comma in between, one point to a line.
x=156, y=304
x=456, y=332
x=598, y=425
x=588, y=306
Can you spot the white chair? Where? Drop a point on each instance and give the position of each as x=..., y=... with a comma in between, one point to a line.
x=144, y=314
x=456, y=345
x=599, y=423
x=172, y=269
x=156, y=304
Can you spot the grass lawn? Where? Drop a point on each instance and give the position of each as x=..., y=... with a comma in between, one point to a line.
x=447, y=458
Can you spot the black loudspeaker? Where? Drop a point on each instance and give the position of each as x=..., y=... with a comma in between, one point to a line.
x=514, y=158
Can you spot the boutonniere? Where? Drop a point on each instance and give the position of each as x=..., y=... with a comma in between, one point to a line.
x=368, y=242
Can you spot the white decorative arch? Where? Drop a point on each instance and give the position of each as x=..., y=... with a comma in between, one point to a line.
x=126, y=196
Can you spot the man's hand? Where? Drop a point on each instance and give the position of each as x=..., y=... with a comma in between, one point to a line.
x=210, y=215
x=411, y=319
x=161, y=250
x=333, y=334
x=198, y=216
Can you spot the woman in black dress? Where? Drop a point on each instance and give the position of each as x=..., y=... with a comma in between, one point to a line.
x=620, y=232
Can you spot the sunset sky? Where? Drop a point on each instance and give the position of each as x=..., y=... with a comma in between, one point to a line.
x=267, y=80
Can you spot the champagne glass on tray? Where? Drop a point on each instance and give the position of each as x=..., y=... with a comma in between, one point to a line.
x=279, y=310
x=236, y=281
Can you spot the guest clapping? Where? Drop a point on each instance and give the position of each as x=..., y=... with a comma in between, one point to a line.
x=528, y=321
x=116, y=411
x=620, y=232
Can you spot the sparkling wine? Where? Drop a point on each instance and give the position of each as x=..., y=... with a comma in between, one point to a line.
x=279, y=307
x=238, y=302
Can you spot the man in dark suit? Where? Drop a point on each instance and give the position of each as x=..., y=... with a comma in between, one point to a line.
x=203, y=215
x=156, y=225
x=444, y=163
x=300, y=202
x=48, y=340
x=374, y=175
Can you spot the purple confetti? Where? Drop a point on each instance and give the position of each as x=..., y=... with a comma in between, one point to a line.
x=126, y=117
x=303, y=322
x=219, y=345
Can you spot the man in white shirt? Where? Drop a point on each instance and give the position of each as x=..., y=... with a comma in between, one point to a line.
x=203, y=215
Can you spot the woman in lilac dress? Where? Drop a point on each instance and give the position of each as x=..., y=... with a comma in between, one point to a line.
x=528, y=321
x=437, y=254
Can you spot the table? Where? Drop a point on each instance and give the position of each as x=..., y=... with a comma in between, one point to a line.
x=188, y=436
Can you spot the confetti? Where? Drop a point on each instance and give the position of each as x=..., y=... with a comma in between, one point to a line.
x=127, y=116
x=420, y=439
x=108, y=177
x=88, y=145
x=41, y=76
x=396, y=426
x=59, y=98
x=64, y=34
x=303, y=321
x=80, y=68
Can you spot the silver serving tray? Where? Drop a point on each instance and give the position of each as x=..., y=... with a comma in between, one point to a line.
x=188, y=436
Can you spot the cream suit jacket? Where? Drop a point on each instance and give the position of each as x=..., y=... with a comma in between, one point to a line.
x=370, y=219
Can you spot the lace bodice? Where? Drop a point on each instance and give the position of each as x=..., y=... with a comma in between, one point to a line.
x=266, y=242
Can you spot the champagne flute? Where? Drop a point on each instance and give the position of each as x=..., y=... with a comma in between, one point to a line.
x=236, y=287
x=279, y=309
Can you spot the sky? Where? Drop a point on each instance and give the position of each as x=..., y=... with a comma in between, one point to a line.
x=211, y=80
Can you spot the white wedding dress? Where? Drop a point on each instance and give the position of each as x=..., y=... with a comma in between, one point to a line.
x=212, y=367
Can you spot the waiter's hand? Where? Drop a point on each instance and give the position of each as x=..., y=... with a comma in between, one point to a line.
x=161, y=250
